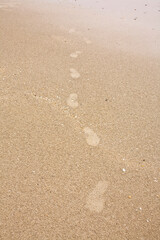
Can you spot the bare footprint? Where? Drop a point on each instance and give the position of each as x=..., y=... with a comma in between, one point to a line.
x=72, y=100
x=74, y=73
x=75, y=54
x=95, y=200
x=91, y=137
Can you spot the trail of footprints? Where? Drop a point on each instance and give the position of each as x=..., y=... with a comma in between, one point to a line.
x=72, y=101
x=95, y=200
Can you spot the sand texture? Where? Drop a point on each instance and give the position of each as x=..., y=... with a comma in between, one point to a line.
x=79, y=120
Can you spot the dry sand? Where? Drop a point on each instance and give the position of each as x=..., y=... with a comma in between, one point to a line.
x=79, y=120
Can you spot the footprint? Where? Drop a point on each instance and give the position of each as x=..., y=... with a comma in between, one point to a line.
x=74, y=73
x=95, y=200
x=87, y=41
x=72, y=100
x=75, y=54
x=91, y=137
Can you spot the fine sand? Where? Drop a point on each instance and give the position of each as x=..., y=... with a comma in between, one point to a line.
x=79, y=120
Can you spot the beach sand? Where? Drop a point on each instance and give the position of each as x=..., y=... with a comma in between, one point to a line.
x=79, y=120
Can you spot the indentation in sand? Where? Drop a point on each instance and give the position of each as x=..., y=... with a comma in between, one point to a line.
x=72, y=100
x=95, y=200
x=75, y=54
x=74, y=73
x=91, y=137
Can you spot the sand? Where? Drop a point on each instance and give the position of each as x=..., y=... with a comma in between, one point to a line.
x=79, y=120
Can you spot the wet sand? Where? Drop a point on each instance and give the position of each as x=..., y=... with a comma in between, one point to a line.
x=79, y=120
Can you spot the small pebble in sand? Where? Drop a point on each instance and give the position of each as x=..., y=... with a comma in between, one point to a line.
x=123, y=169
x=129, y=196
x=135, y=18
